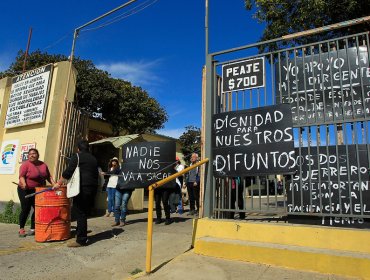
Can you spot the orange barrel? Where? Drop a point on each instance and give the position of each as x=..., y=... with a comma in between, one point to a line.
x=52, y=215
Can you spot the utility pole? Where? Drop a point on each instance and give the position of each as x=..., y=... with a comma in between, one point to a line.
x=27, y=49
x=58, y=159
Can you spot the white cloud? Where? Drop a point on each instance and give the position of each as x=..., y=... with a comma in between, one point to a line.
x=174, y=133
x=139, y=73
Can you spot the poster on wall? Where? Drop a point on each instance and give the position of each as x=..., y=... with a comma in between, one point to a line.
x=24, y=151
x=9, y=151
x=28, y=97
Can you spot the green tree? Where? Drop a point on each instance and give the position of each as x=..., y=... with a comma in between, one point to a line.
x=190, y=142
x=121, y=104
x=284, y=17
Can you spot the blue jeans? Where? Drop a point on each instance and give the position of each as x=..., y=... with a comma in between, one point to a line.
x=121, y=201
x=111, y=198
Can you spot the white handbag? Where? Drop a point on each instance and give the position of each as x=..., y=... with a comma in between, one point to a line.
x=73, y=185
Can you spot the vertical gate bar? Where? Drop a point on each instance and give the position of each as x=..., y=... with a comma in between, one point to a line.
x=250, y=99
x=229, y=190
x=210, y=109
x=336, y=135
x=322, y=87
x=318, y=145
x=259, y=193
x=252, y=189
x=328, y=166
x=243, y=100
x=273, y=92
x=345, y=136
x=280, y=91
x=354, y=132
x=268, y=192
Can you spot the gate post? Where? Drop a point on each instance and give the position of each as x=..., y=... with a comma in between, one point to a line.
x=209, y=106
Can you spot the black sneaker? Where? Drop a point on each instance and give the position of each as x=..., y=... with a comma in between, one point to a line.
x=168, y=222
x=158, y=221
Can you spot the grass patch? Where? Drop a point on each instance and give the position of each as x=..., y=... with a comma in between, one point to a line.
x=136, y=271
x=10, y=215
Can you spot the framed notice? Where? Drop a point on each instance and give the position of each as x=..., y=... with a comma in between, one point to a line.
x=29, y=97
x=9, y=150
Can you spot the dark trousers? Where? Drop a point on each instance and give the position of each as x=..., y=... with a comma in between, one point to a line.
x=161, y=194
x=239, y=200
x=26, y=204
x=82, y=204
x=193, y=193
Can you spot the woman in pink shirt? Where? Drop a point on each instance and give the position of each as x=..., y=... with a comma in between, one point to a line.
x=32, y=173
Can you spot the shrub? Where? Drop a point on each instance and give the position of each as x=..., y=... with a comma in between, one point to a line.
x=11, y=215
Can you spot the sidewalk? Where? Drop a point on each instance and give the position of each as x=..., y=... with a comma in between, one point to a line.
x=197, y=267
x=117, y=253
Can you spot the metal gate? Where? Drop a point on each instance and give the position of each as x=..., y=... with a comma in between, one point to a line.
x=327, y=85
x=75, y=127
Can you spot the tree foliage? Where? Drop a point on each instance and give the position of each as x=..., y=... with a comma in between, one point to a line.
x=121, y=104
x=284, y=17
x=190, y=141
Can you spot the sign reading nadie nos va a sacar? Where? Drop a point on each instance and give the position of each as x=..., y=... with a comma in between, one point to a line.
x=28, y=97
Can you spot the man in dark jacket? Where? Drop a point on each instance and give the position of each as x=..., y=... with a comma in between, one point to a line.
x=83, y=202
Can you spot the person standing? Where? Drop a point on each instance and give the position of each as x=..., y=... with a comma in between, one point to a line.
x=175, y=196
x=193, y=186
x=162, y=194
x=32, y=173
x=113, y=171
x=122, y=196
x=83, y=202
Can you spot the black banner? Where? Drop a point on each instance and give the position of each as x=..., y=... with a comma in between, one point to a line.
x=253, y=142
x=332, y=179
x=332, y=86
x=145, y=163
x=246, y=74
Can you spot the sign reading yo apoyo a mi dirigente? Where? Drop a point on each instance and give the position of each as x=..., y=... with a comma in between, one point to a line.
x=9, y=150
x=28, y=97
x=245, y=74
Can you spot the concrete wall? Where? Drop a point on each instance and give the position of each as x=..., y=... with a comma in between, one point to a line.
x=45, y=134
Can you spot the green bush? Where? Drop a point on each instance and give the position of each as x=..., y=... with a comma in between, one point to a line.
x=11, y=215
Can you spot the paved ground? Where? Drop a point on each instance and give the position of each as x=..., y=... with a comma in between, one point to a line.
x=120, y=252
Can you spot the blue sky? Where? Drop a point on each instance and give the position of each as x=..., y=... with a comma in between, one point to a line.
x=161, y=47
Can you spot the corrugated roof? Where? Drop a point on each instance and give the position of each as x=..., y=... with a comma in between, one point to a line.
x=117, y=141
